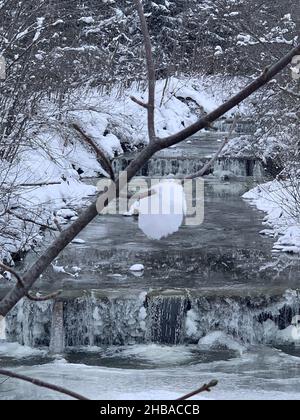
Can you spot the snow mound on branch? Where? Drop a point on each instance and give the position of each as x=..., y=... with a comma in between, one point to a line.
x=162, y=213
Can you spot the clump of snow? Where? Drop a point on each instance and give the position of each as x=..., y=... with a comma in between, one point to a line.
x=280, y=202
x=134, y=210
x=58, y=269
x=218, y=51
x=66, y=213
x=254, y=146
x=78, y=241
x=191, y=323
x=137, y=267
x=87, y=19
x=162, y=213
x=62, y=270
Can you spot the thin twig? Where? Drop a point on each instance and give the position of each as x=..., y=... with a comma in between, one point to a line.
x=43, y=384
x=26, y=219
x=204, y=388
x=217, y=154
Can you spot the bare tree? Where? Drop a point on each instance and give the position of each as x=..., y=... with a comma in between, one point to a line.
x=155, y=145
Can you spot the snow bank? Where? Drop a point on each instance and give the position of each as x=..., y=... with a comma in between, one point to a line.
x=280, y=200
x=16, y=351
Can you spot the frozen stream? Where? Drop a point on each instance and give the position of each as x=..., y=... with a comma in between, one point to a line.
x=126, y=336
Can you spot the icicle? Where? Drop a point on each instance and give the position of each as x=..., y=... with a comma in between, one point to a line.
x=57, y=341
x=2, y=328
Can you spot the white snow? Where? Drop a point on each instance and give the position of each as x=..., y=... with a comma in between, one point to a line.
x=78, y=241
x=279, y=200
x=162, y=213
x=58, y=269
x=87, y=19
x=66, y=213
x=137, y=267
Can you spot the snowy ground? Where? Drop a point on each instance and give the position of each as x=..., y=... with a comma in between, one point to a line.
x=280, y=201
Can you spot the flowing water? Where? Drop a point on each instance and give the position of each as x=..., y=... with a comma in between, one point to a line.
x=212, y=302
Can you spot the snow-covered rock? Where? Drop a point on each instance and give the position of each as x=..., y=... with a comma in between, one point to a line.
x=137, y=268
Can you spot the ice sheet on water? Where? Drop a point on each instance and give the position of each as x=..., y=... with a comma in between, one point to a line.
x=261, y=373
x=16, y=351
x=159, y=354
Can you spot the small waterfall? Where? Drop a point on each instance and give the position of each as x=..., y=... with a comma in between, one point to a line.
x=244, y=318
x=240, y=167
x=247, y=126
x=29, y=323
x=2, y=328
x=169, y=317
x=164, y=166
x=166, y=316
x=103, y=320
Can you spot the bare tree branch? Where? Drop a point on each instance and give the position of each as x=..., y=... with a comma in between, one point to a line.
x=150, y=70
x=139, y=102
x=100, y=154
x=43, y=384
x=26, y=293
x=265, y=77
x=204, y=388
